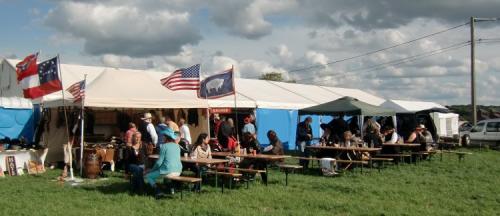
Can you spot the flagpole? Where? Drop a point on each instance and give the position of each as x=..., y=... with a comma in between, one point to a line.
x=208, y=111
x=82, y=130
x=70, y=144
x=235, y=106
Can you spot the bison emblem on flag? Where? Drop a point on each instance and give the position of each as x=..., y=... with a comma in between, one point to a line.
x=217, y=86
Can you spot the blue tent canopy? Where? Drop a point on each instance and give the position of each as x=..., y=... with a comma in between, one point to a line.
x=284, y=122
x=16, y=118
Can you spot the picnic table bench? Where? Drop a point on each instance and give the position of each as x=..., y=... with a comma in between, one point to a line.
x=349, y=162
x=287, y=168
x=401, y=156
x=184, y=180
x=230, y=175
x=382, y=160
x=240, y=171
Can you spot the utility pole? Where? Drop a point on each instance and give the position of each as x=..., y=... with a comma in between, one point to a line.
x=472, y=65
x=472, y=72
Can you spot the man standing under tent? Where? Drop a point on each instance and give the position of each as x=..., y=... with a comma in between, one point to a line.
x=184, y=129
x=304, y=138
x=249, y=126
x=148, y=131
x=225, y=131
x=171, y=124
x=160, y=127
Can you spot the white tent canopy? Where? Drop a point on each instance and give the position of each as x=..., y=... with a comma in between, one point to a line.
x=317, y=94
x=15, y=102
x=403, y=106
x=127, y=88
x=446, y=123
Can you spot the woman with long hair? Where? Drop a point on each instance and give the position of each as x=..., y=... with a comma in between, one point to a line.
x=201, y=148
x=135, y=158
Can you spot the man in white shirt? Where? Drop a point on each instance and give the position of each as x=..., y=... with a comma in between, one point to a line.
x=390, y=135
x=184, y=129
x=150, y=129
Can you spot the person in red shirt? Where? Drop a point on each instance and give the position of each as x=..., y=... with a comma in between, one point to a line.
x=128, y=135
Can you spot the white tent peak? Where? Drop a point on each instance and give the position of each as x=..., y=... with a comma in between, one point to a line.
x=405, y=106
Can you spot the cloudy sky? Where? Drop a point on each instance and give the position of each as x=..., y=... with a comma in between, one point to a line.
x=261, y=36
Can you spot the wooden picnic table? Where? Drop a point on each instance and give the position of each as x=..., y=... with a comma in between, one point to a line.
x=257, y=156
x=358, y=149
x=411, y=145
x=357, y=156
x=266, y=158
x=401, y=150
x=204, y=161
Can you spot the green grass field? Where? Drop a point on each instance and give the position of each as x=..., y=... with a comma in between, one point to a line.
x=430, y=188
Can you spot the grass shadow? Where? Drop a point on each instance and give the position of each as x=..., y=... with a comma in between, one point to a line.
x=112, y=189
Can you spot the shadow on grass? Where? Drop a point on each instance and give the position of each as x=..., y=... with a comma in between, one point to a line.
x=114, y=188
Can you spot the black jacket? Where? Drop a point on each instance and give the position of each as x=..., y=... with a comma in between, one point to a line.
x=129, y=156
x=302, y=131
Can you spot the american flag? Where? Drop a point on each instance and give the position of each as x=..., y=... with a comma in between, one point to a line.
x=183, y=79
x=77, y=90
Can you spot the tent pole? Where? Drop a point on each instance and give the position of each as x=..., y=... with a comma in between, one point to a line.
x=361, y=125
x=208, y=114
x=82, y=131
x=235, y=107
x=70, y=143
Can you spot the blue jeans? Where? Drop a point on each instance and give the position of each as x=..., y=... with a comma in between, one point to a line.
x=152, y=176
x=137, y=180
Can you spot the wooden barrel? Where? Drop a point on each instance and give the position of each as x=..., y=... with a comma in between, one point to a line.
x=92, y=166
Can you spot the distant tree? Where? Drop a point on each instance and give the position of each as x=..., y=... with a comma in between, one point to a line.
x=275, y=76
x=272, y=76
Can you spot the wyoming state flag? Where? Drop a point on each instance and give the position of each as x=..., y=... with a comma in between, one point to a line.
x=217, y=86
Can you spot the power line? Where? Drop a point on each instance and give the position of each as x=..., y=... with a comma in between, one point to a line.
x=379, y=50
x=402, y=60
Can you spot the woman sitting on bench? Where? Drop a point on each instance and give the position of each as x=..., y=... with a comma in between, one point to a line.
x=168, y=163
x=201, y=149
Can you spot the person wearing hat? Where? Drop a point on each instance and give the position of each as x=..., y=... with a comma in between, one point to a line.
x=148, y=131
x=416, y=136
x=328, y=138
x=168, y=163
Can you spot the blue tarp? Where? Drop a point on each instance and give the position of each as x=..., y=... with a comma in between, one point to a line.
x=15, y=123
x=284, y=122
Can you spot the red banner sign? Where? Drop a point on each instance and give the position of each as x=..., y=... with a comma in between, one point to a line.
x=221, y=110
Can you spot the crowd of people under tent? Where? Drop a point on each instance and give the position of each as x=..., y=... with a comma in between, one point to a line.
x=171, y=141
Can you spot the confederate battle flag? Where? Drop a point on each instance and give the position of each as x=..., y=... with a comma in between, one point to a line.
x=39, y=80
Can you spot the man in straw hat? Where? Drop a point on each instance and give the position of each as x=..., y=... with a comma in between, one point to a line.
x=147, y=129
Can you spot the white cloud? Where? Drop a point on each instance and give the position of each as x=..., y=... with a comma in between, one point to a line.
x=116, y=61
x=123, y=29
x=247, y=18
x=282, y=53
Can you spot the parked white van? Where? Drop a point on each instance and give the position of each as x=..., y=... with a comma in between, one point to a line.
x=486, y=132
